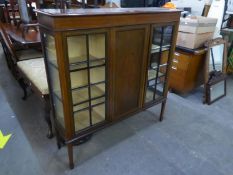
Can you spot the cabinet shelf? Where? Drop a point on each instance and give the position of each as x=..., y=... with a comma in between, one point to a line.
x=154, y=66
x=80, y=65
x=82, y=118
x=156, y=48
x=150, y=95
x=81, y=98
x=152, y=75
x=92, y=84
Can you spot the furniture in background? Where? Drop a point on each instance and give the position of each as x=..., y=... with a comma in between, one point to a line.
x=143, y=3
x=187, y=69
x=215, y=71
x=27, y=16
x=11, y=11
x=67, y=4
x=27, y=66
x=227, y=32
x=99, y=66
x=30, y=38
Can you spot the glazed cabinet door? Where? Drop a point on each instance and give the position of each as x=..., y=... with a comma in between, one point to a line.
x=159, y=59
x=130, y=53
x=53, y=77
x=87, y=58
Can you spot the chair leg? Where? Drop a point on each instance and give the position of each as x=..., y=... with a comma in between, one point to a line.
x=59, y=140
x=70, y=154
x=48, y=121
x=24, y=87
x=162, y=111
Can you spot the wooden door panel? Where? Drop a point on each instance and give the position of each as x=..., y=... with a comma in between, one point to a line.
x=129, y=56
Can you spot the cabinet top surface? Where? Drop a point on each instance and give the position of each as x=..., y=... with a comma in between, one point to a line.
x=103, y=11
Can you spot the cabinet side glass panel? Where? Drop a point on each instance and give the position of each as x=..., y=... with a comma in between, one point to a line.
x=87, y=59
x=158, y=62
x=50, y=51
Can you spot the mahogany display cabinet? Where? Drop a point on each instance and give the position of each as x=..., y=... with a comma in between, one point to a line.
x=104, y=65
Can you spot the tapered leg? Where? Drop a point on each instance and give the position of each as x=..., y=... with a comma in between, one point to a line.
x=48, y=120
x=70, y=154
x=162, y=110
x=24, y=87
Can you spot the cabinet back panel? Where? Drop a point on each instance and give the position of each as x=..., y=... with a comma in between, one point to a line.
x=128, y=70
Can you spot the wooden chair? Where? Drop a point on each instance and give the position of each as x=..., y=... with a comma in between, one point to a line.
x=11, y=11
x=14, y=55
x=29, y=70
x=27, y=16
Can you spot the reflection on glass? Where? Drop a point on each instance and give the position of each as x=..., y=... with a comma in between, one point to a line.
x=216, y=58
x=58, y=110
x=157, y=68
x=54, y=80
x=50, y=49
x=53, y=74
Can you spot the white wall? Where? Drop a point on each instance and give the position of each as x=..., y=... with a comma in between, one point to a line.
x=117, y=2
x=196, y=5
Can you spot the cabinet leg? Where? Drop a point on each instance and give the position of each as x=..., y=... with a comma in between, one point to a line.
x=162, y=110
x=70, y=154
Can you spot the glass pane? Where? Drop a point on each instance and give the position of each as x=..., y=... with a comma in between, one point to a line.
x=157, y=68
x=81, y=120
x=216, y=58
x=97, y=46
x=98, y=114
x=217, y=90
x=54, y=80
x=81, y=106
x=77, y=50
x=79, y=79
x=157, y=36
x=58, y=109
x=88, y=107
x=98, y=101
x=97, y=74
x=162, y=71
x=149, y=94
x=50, y=49
x=152, y=74
x=80, y=95
x=97, y=90
x=53, y=74
x=167, y=36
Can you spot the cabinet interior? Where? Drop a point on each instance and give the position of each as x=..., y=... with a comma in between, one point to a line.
x=87, y=64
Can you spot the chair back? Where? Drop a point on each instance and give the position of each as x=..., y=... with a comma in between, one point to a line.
x=24, y=13
x=11, y=11
x=8, y=43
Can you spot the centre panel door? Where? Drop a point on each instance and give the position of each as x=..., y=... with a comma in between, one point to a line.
x=130, y=56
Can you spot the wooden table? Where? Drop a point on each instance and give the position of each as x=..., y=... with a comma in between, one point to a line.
x=30, y=38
